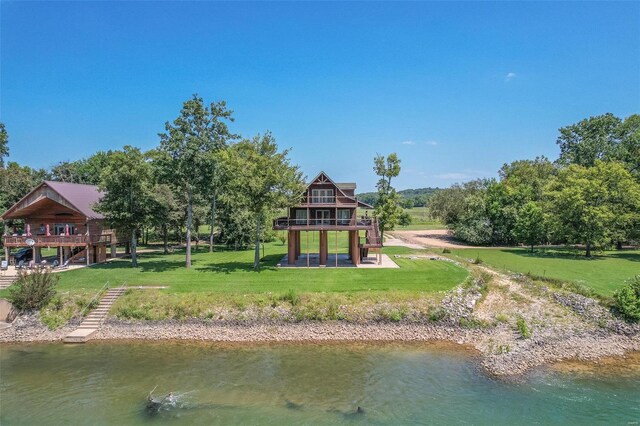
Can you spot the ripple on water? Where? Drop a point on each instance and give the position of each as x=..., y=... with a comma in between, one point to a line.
x=107, y=383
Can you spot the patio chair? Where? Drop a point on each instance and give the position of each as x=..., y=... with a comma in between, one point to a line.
x=4, y=265
x=65, y=265
x=20, y=265
x=54, y=264
x=32, y=264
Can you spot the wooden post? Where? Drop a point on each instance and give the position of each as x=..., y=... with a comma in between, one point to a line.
x=307, y=232
x=297, y=244
x=323, y=248
x=336, y=249
x=355, y=248
x=61, y=251
x=291, y=252
x=87, y=255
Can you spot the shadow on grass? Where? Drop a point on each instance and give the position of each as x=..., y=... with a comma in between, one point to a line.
x=267, y=263
x=573, y=254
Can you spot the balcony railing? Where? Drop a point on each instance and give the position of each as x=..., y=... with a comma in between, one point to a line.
x=44, y=240
x=340, y=200
x=285, y=222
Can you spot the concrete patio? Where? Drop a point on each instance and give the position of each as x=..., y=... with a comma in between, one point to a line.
x=343, y=262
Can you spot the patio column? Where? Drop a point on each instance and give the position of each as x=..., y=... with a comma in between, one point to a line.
x=297, y=245
x=350, y=245
x=6, y=254
x=323, y=247
x=355, y=248
x=291, y=252
x=37, y=254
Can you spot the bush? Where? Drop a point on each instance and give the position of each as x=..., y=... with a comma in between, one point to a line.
x=523, y=328
x=446, y=251
x=291, y=296
x=33, y=290
x=627, y=299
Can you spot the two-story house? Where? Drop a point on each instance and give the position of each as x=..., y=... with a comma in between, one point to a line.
x=327, y=206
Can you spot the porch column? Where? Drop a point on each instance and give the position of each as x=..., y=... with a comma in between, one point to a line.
x=37, y=254
x=88, y=253
x=291, y=246
x=113, y=251
x=61, y=255
x=323, y=247
x=6, y=254
x=350, y=246
x=355, y=248
x=297, y=245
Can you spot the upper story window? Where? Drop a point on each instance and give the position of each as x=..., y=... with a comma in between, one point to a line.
x=322, y=196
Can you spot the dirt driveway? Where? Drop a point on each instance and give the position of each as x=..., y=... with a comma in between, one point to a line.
x=429, y=238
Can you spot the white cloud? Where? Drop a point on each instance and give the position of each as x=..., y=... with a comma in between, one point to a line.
x=510, y=76
x=408, y=143
x=432, y=143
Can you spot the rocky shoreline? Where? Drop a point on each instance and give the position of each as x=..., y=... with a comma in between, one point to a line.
x=523, y=354
x=487, y=314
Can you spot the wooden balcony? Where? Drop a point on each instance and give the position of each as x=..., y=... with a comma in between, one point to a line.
x=333, y=201
x=285, y=223
x=56, y=240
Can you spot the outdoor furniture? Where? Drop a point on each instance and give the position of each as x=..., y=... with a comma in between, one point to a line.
x=4, y=265
x=32, y=264
x=65, y=265
x=54, y=264
x=20, y=265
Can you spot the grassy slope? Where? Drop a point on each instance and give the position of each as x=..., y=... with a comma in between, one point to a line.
x=604, y=272
x=230, y=272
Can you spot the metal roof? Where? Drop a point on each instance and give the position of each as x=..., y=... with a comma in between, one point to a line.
x=82, y=197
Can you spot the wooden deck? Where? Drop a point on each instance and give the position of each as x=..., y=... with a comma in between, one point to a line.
x=57, y=240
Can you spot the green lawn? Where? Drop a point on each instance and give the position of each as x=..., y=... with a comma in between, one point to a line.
x=604, y=272
x=231, y=272
x=420, y=219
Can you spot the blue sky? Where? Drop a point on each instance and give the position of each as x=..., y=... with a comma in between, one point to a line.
x=456, y=89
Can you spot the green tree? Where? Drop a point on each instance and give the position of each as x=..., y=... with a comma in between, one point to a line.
x=165, y=212
x=264, y=180
x=530, y=226
x=186, y=154
x=4, y=144
x=588, y=205
x=592, y=139
x=629, y=147
x=388, y=209
x=86, y=171
x=127, y=183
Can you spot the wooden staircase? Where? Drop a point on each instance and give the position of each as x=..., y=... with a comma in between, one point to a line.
x=6, y=281
x=92, y=322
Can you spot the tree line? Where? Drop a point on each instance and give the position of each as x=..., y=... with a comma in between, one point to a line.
x=590, y=195
x=200, y=173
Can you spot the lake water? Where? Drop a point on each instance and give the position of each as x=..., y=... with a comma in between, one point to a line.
x=107, y=383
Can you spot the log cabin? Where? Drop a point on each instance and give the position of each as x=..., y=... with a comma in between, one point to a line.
x=61, y=215
x=326, y=206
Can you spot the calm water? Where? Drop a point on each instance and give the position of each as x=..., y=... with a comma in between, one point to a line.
x=100, y=383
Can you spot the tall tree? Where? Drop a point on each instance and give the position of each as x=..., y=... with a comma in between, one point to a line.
x=387, y=209
x=594, y=138
x=127, y=183
x=588, y=205
x=264, y=180
x=165, y=213
x=629, y=148
x=4, y=144
x=185, y=156
x=530, y=226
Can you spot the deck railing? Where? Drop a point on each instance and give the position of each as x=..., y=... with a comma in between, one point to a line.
x=285, y=222
x=44, y=240
x=339, y=200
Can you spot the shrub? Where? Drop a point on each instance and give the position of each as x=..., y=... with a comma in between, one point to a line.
x=477, y=261
x=627, y=299
x=524, y=330
x=291, y=296
x=446, y=251
x=33, y=290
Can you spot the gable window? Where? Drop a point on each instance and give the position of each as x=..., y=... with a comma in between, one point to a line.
x=322, y=196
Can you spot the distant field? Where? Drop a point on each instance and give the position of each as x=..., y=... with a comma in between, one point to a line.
x=604, y=272
x=420, y=219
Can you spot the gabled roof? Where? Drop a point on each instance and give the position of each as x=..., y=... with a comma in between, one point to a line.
x=82, y=197
x=79, y=197
x=322, y=177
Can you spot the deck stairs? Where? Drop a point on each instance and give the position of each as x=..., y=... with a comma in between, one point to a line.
x=92, y=322
x=6, y=281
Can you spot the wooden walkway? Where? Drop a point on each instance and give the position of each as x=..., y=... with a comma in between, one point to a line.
x=92, y=322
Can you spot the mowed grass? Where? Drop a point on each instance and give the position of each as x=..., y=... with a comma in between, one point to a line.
x=231, y=272
x=604, y=272
x=420, y=219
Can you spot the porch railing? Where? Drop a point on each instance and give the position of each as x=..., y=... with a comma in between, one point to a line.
x=44, y=240
x=340, y=200
x=285, y=222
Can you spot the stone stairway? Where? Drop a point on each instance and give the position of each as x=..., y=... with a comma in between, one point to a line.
x=6, y=281
x=91, y=323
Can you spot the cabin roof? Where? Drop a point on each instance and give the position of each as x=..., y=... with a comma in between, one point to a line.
x=80, y=197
